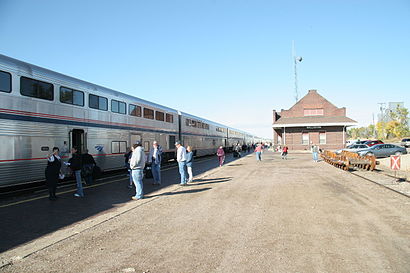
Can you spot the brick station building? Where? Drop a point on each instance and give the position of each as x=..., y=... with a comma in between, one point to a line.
x=313, y=119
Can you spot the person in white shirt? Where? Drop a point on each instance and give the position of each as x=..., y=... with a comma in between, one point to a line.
x=181, y=158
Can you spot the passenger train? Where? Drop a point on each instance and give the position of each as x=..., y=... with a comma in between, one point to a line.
x=40, y=109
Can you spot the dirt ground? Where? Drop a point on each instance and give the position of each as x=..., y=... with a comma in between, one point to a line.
x=277, y=215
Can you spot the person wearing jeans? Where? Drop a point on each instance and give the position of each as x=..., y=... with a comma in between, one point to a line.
x=155, y=158
x=258, y=151
x=137, y=164
x=75, y=164
x=181, y=159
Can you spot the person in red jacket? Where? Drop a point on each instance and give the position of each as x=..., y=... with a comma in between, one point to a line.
x=221, y=156
x=285, y=152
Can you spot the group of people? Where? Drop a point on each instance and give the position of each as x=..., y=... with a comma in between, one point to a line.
x=135, y=161
x=81, y=165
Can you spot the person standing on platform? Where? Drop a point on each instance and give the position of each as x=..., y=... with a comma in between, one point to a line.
x=258, y=151
x=155, y=158
x=221, y=155
x=75, y=165
x=88, y=167
x=181, y=159
x=189, y=159
x=137, y=164
x=52, y=173
x=127, y=157
x=285, y=152
x=315, y=152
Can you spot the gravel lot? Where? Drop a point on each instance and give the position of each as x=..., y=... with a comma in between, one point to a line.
x=270, y=216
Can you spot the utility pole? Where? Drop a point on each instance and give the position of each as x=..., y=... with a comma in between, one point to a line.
x=295, y=60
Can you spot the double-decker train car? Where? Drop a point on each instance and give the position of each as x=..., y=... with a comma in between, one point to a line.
x=40, y=109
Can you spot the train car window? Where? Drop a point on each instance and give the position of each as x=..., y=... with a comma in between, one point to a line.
x=148, y=113
x=199, y=124
x=169, y=118
x=71, y=96
x=5, y=82
x=159, y=116
x=36, y=89
x=97, y=102
x=122, y=108
x=134, y=110
x=118, y=147
x=78, y=98
x=93, y=101
x=118, y=106
x=193, y=123
x=103, y=103
x=114, y=106
x=187, y=122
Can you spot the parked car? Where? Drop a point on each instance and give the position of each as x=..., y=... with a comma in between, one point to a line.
x=405, y=142
x=371, y=143
x=353, y=148
x=351, y=142
x=383, y=150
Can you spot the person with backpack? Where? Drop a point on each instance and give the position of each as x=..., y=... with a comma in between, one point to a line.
x=127, y=157
x=88, y=164
x=75, y=163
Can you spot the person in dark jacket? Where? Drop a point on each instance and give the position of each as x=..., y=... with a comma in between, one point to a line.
x=127, y=157
x=52, y=173
x=189, y=160
x=75, y=164
x=88, y=164
x=155, y=158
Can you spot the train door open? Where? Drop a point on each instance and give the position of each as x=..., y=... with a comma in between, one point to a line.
x=78, y=139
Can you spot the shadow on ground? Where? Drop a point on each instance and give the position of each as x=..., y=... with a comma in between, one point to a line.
x=29, y=220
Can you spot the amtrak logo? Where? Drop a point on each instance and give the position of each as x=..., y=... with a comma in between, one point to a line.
x=99, y=147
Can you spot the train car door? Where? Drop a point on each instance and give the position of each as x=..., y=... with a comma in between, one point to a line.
x=78, y=139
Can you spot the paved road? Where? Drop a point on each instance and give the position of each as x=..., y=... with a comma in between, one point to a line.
x=248, y=216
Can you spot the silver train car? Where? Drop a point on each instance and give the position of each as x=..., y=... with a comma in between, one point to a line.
x=40, y=109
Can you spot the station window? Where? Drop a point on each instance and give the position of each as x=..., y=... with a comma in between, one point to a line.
x=169, y=118
x=118, y=147
x=322, y=137
x=97, y=102
x=159, y=116
x=305, y=138
x=148, y=113
x=36, y=89
x=134, y=110
x=71, y=96
x=5, y=82
x=118, y=107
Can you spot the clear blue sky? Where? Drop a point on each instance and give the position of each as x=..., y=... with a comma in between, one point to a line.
x=226, y=60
